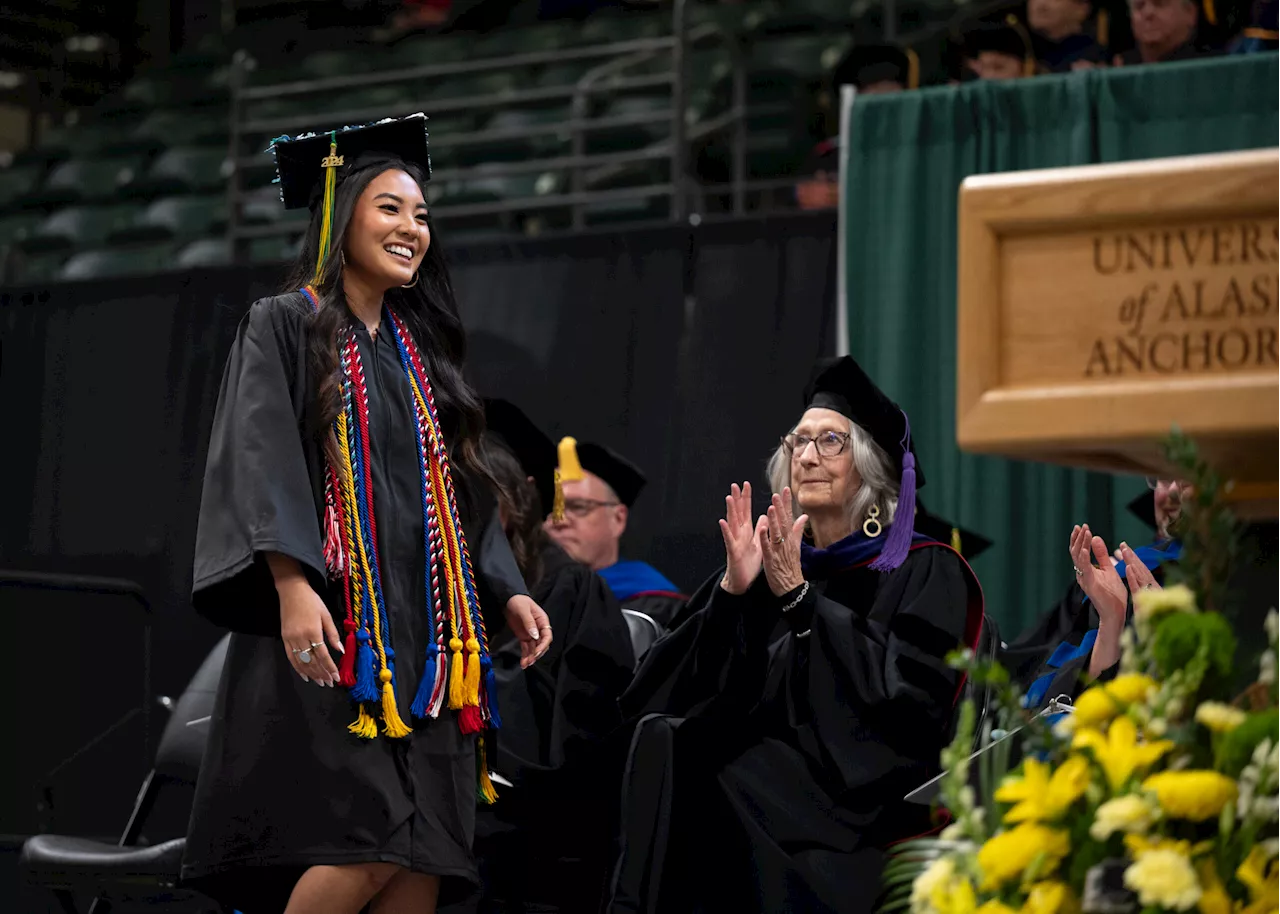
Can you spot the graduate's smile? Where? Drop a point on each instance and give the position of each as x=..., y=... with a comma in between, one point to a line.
x=403, y=253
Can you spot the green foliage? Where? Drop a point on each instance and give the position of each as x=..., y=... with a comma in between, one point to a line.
x=1208, y=529
x=1238, y=745
x=1185, y=640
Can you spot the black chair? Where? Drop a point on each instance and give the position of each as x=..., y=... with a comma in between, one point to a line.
x=644, y=631
x=126, y=872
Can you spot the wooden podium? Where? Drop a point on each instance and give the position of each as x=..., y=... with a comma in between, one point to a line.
x=1101, y=305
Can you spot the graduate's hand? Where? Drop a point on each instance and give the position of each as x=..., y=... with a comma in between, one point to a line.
x=779, y=539
x=1101, y=582
x=742, y=554
x=531, y=627
x=305, y=621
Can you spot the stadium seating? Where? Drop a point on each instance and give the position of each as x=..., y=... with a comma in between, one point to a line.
x=139, y=182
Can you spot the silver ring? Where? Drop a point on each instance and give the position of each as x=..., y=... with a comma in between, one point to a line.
x=304, y=656
x=779, y=541
x=1078, y=572
x=316, y=644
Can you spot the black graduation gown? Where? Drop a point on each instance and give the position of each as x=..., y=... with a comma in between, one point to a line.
x=769, y=777
x=284, y=785
x=557, y=716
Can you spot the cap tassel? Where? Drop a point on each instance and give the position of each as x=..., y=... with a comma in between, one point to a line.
x=456, y=693
x=330, y=166
x=364, y=726
x=568, y=469
x=557, y=507
x=898, y=542
x=955, y=539
x=392, y=725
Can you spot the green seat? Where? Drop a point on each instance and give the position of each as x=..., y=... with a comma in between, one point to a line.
x=532, y=39
x=189, y=169
x=179, y=218
x=37, y=267
x=607, y=28
x=617, y=212
x=424, y=51
x=328, y=64
x=525, y=143
x=379, y=101
x=631, y=136
x=98, y=178
x=79, y=226
x=804, y=56
x=207, y=252
x=796, y=15
x=490, y=189
x=500, y=83
x=162, y=129
x=107, y=262
x=277, y=249
x=563, y=74
x=262, y=206
x=17, y=181
x=16, y=227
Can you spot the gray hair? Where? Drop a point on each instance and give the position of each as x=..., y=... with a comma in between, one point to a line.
x=879, y=486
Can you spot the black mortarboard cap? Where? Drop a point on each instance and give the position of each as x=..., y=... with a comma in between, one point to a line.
x=301, y=160
x=998, y=38
x=865, y=65
x=1144, y=508
x=842, y=385
x=969, y=544
x=623, y=476
x=531, y=447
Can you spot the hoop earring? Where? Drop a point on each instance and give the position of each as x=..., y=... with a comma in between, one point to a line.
x=872, y=523
x=410, y=285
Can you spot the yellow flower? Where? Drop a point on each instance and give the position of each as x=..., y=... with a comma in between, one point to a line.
x=1147, y=604
x=1119, y=752
x=1259, y=875
x=995, y=906
x=1194, y=795
x=1219, y=717
x=1099, y=704
x=1131, y=688
x=1040, y=796
x=1132, y=814
x=941, y=890
x=1007, y=856
x=1049, y=898
x=1213, y=898
x=1164, y=878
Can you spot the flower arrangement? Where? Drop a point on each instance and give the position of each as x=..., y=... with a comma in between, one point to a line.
x=1156, y=795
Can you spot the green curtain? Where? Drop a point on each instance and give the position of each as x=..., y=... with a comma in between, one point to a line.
x=903, y=163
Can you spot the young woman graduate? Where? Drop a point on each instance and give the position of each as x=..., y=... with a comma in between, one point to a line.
x=341, y=492
x=559, y=713
x=769, y=777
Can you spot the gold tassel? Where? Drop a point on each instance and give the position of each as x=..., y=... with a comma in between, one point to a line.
x=487, y=793
x=1029, y=66
x=1103, y=29
x=955, y=538
x=1210, y=12
x=913, y=68
x=472, y=684
x=567, y=458
x=364, y=726
x=456, y=693
x=330, y=164
x=557, y=507
x=392, y=725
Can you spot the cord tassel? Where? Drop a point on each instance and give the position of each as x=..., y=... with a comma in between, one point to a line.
x=366, y=688
x=456, y=693
x=437, y=694
x=421, y=706
x=364, y=726
x=392, y=725
x=491, y=692
x=484, y=785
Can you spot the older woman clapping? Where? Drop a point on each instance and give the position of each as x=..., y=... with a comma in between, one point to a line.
x=792, y=753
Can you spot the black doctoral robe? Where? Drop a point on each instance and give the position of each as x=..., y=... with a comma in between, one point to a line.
x=769, y=776
x=284, y=785
x=557, y=717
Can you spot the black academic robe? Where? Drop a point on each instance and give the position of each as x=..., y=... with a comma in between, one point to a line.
x=284, y=785
x=769, y=776
x=557, y=716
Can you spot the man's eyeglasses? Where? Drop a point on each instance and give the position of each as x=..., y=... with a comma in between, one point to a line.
x=581, y=507
x=829, y=444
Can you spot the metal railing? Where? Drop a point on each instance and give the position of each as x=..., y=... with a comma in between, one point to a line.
x=615, y=71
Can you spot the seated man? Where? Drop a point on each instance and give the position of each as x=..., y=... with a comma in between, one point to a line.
x=600, y=486
x=1082, y=631
x=998, y=51
x=1059, y=35
x=1163, y=30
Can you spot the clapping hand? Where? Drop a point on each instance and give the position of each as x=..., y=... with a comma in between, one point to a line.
x=780, y=545
x=742, y=551
x=1101, y=582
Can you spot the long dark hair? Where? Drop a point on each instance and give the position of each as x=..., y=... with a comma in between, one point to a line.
x=428, y=308
x=521, y=508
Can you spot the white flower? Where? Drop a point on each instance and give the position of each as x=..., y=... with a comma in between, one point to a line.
x=1131, y=814
x=1157, y=727
x=938, y=874
x=1219, y=717
x=1272, y=625
x=1148, y=604
x=1267, y=668
x=1164, y=878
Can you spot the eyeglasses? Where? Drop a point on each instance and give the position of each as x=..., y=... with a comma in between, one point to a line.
x=581, y=507
x=1153, y=483
x=829, y=444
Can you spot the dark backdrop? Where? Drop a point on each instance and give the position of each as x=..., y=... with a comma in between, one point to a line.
x=684, y=348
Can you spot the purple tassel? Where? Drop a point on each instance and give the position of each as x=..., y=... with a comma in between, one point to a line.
x=366, y=687
x=491, y=692
x=898, y=541
x=422, y=701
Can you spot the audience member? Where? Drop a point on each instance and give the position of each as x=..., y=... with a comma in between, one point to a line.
x=998, y=51
x=1260, y=35
x=1163, y=30
x=1059, y=35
